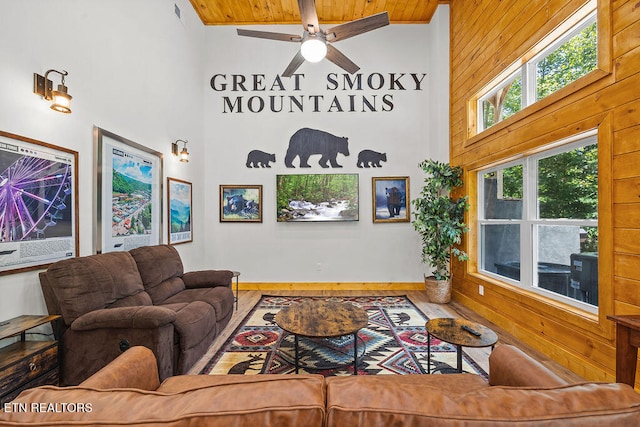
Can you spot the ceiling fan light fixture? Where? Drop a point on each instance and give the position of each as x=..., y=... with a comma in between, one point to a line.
x=313, y=48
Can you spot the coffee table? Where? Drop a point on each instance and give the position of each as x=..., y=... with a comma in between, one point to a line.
x=322, y=319
x=458, y=332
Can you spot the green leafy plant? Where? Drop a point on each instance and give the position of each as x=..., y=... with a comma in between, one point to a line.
x=438, y=218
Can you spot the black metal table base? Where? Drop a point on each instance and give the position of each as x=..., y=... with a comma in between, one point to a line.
x=359, y=350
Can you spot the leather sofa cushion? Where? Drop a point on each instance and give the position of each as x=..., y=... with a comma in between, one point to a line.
x=510, y=366
x=137, y=370
x=93, y=282
x=389, y=401
x=214, y=401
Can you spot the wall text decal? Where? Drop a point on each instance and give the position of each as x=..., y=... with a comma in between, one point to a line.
x=256, y=93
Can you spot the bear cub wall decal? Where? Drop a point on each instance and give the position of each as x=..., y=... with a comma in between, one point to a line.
x=257, y=158
x=368, y=158
x=307, y=142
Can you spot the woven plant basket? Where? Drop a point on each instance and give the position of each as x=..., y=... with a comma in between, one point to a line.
x=438, y=291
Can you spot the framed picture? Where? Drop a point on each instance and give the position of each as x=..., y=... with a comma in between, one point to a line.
x=326, y=197
x=128, y=188
x=391, y=199
x=180, y=201
x=38, y=203
x=241, y=203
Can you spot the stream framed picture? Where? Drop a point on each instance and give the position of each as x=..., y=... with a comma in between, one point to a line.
x=128, y=188
x=180, y=200
x=390, y=199
x=317, y=197
x=38, y=203
x=241, y=203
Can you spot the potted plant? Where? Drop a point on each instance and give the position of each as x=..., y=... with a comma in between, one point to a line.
x=439, y=219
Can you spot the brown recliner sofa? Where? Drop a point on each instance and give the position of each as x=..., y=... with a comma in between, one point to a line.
x=520, y=392
x=110, y=302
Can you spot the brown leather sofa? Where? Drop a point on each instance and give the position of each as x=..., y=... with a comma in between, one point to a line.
x=520, y=392
x=112, y=301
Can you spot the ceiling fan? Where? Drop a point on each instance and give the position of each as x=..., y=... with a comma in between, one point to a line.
x=316, y=42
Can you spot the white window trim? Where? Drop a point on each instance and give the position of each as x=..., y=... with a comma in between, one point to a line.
x=528, y=66
x=528, y=224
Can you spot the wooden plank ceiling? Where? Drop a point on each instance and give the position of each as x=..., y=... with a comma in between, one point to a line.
x=264, y=12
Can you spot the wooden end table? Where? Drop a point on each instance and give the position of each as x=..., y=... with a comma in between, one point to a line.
x=458, y=332
x=627, y=343
x=322, y=319
x=28, y=363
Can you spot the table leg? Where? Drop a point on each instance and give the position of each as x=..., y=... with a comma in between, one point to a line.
x=626, y=356
x=236, y=293
x=295, y=341
x=459, y=357
x=428, y=353
x=355, y=353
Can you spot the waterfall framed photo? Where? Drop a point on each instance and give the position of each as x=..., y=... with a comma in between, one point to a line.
x=180, y=200
x=38, y=203
x=390, y=199
x=128, y=188
x=317, y=197
x=241, y=203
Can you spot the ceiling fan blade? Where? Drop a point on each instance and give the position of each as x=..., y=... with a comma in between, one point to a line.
x=293, y=65
x=338, y=58
x=309, y=15
x=269, y=35
x=359, y=26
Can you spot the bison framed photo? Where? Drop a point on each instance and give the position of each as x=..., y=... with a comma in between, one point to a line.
x=390, y=199
x=241, y=203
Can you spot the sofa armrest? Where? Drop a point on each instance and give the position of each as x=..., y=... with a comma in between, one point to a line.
x=207, y=279
x=139, y=317
x=510, y=366
x=135, y=368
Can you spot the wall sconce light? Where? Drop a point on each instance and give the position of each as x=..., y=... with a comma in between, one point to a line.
x=184, y=154
x=60, y=99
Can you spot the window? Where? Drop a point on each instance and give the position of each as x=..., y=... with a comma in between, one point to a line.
x=502, y=102
x=559, y=62
x=538, y=221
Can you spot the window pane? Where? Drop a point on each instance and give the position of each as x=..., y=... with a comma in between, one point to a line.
x=555, y=246
x=584, y=278
x=568, y=261
x=503, y=193
x=503, y=102
x=513, y=100
x=568, y=184
x=572, y=60
x=501, y=249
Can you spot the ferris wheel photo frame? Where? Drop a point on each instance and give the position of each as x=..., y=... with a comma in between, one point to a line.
x=128, y=189
x=38, y=203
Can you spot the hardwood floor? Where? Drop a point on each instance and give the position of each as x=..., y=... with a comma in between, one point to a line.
x=248, y=299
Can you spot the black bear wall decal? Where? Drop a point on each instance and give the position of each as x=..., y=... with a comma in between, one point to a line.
x=368, y=158
x=257, y=158
x=307, y=142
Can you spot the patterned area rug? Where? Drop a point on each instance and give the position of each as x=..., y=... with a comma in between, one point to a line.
x=395, y=342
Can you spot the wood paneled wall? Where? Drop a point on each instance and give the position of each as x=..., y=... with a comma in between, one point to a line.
x=486, y=37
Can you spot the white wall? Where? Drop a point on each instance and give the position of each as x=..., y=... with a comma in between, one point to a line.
x=415, y=129
x=134, y=69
